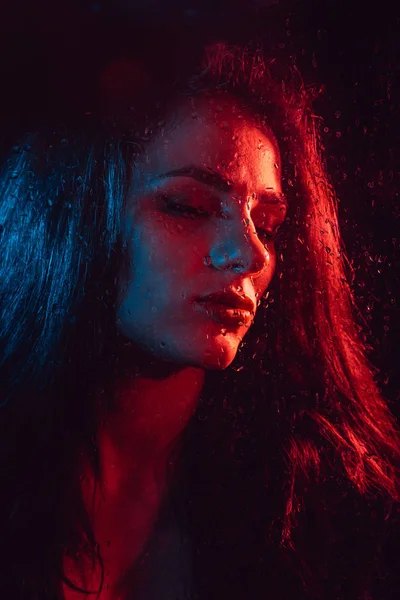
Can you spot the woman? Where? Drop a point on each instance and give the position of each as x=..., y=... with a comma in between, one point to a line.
x=154, y=444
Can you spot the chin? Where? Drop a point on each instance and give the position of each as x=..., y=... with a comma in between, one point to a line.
x=218, y=361
x=218, y=352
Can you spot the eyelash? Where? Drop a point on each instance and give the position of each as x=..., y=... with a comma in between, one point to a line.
x=181, y=209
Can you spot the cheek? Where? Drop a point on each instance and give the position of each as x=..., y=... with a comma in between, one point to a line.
x=159, y=257
x=267, y=274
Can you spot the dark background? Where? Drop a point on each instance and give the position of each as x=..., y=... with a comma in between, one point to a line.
x=350, y=47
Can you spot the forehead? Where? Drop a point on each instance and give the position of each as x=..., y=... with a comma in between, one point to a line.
x=213, y=131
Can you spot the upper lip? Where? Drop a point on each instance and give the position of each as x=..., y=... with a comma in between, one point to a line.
x=232, y=299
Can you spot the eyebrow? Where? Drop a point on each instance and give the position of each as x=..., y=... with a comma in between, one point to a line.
x=221, y=183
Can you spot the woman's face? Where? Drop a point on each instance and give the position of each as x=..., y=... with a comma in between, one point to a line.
x=212, y=157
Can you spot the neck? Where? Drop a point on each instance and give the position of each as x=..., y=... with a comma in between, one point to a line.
x=135, y=440
x=151, y=408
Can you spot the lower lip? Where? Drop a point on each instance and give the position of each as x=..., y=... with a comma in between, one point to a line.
x=224, y=314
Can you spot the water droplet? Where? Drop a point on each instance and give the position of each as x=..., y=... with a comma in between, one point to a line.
x=276, y=166
x=207, y=260
x=240, y=289
x=328, y=250
x=223, y=331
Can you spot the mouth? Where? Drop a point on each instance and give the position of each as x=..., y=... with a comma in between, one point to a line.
x=226, y=315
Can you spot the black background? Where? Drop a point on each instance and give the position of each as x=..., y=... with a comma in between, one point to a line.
x=350, y=47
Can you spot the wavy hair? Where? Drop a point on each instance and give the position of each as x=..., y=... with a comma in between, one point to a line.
x=287, y=473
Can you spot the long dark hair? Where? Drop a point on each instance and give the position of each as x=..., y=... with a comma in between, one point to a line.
x=288, y=471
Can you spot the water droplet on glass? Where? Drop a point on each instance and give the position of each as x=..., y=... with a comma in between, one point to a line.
x=328, y=250
x=207, y=260
x=223, y=331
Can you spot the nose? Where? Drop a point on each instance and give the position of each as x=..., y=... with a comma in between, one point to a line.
x=240, y=248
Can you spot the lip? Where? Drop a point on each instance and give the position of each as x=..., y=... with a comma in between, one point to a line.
x=225, y=315
x=230, y=299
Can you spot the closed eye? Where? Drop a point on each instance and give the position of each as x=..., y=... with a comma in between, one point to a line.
x=265, y=234
x=175, y=207
x=182, y=209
